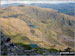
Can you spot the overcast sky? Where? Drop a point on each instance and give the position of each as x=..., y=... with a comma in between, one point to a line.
x=35, y=1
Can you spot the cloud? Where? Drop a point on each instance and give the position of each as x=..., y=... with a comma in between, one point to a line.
x=38, y=0
x=35, y=1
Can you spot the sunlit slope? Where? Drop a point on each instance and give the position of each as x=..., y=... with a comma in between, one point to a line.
x=45, y=27
x=20, y=32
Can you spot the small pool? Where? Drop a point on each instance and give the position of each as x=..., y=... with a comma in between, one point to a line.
x=34, y=45
x=32, y=26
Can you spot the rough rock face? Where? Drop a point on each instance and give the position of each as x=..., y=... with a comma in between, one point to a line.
x=8, y=48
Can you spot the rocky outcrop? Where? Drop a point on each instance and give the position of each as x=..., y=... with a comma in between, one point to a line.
x=8, y=48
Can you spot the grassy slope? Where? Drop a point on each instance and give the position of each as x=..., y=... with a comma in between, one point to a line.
x=50, y=26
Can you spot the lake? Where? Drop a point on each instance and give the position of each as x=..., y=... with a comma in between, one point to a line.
x=32, y=26
x=34, y=45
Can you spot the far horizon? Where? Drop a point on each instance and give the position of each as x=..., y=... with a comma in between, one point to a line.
x=30, y=2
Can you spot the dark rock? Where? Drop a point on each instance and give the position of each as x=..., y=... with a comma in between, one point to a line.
x=8, y=39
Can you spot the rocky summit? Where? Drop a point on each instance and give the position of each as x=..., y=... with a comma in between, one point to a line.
x=8, y=48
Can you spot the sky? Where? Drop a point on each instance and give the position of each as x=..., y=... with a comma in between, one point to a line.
x=34, y=1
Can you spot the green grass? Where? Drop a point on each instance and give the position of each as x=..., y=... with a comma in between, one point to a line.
x=53, y=50
x=25, y=46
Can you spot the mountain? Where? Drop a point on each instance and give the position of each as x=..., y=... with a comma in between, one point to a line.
x=12, y=4
x=34, y=25
x=67, y=8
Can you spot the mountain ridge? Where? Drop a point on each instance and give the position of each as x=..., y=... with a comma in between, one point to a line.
x=66, y=8
x=46, y=25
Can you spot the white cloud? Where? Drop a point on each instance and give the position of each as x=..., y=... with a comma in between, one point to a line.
x=5, y=2
x=35, y=1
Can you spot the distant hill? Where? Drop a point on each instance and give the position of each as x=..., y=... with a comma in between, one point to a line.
x=13, y=4
x=67, y=8
x=45, y=27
